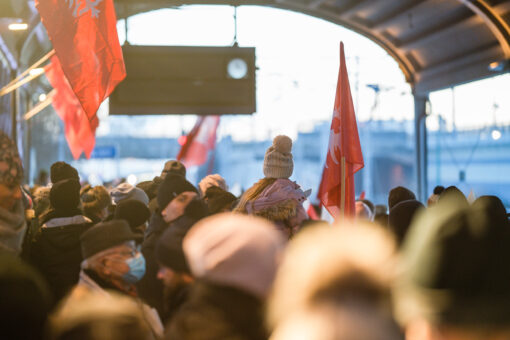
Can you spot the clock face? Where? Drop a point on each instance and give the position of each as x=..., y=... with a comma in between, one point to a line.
x=237, y=68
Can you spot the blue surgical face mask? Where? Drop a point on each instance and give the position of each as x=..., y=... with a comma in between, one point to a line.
x=136, y=269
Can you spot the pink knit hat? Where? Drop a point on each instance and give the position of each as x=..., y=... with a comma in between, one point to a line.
x=235, y=250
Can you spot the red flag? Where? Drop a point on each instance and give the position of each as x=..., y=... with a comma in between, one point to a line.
x=200, y=140
x=312, y=212
x=84, y=36
x=344, y=157
x=80, y=133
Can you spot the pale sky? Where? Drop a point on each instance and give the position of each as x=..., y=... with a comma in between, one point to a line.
x=298, y=57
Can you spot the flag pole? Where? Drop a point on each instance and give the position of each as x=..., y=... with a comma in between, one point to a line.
x=40, y=106
x=19, y=81
x=342, y=189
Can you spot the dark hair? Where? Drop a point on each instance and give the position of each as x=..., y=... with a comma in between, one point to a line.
x=438, y=190
x=25, y=300
x=219, y=316
x=61, y=170
x=400, y=218
x=370, y=205
x=453, y=193
x=399, y=194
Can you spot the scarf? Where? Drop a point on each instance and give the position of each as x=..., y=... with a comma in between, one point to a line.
x=12, y=228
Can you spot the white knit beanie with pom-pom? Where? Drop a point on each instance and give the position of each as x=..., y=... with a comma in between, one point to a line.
x=278, y=161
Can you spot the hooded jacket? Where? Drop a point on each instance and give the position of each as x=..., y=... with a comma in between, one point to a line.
x=281, y=203
x=56, y=251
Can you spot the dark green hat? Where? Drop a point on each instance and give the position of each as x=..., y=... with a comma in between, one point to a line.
x=456, y=267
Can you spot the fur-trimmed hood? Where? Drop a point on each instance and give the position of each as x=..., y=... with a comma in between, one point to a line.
x=282, y=211
x=281, y=202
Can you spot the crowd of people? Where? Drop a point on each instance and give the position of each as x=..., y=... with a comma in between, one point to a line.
x=169, y=260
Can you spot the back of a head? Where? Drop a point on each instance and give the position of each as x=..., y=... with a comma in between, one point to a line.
x=370, y=205
x=495, y=207
x=132, y=211
x=455, y=271
x=219, y=200
x=95, y=200
x=399, y=194
x=65, y=195
x=351, y=262
x=330, y=321
x=96, y=316
x=401, y=216
x=362, y=211
x=234, y=250
x=61, y=170
x=25, y=300
x=453, y=193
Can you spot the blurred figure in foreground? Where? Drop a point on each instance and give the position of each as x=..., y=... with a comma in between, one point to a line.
x=96, y=316
x=456, y=278
x=234, y=259
x=24, y=300
x=334, y=283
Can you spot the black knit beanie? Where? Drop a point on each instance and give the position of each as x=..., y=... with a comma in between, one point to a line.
x=61, y=170
x=65, y=195
x=169, y=250
x=133, y=211
x=172, y=186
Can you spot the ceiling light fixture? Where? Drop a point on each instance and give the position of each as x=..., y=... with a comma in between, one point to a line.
x=21, y=26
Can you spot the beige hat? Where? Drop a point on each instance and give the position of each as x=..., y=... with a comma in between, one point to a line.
x=212, y=180
x=278, y=161
x=235, y=250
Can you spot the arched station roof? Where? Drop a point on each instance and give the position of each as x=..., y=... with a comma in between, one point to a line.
x=437, y=43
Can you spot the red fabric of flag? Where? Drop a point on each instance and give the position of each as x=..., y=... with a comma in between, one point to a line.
x=84, y=36
x=344, y=148
x=200, y=140
x=79, y=131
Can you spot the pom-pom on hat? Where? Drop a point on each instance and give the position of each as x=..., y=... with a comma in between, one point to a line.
x=278, y=161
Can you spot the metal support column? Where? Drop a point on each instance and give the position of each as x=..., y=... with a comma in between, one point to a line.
x=420, y=130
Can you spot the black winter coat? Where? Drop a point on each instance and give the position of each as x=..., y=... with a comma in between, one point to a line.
x=150, y=288
x=56, y=252
x=216, y=312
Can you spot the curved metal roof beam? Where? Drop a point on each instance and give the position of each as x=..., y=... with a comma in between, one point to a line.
x=313, y=9
x=493, y=20
x=404, y=63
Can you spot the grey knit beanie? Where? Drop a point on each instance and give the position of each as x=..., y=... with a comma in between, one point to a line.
x=278, y=161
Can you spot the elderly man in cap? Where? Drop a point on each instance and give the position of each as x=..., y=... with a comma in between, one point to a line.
x=112, y=262
x=456, y=279
x=12, y=210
